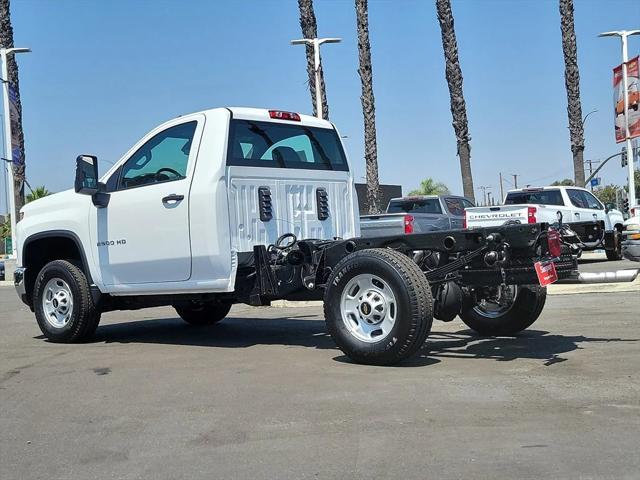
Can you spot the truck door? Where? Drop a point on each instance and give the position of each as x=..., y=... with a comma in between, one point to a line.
x=585, y=206
x=142, y=236
x=287, y=178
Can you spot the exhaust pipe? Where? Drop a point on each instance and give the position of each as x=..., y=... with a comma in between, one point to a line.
x=618, y=276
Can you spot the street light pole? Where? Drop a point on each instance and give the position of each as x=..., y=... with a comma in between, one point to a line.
x=315, y=43
x=584, y=119
x=4, y=53
x=623, y=34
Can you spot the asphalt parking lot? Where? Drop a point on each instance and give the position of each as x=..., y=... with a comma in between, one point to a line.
x=265, y=394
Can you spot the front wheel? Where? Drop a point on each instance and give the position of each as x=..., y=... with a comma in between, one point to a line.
x=378, y=306
x=63, y=304
x=616, y=253
x=504, y=311
x=203, y=313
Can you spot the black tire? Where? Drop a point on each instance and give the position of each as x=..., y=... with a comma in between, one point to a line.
x=84, y=317
x=203, y=313
x=526, y=308
x=616, y=253
x=412, y=309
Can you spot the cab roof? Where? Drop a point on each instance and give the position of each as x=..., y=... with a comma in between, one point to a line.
x=262, y=114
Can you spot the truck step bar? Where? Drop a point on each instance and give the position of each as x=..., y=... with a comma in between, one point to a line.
x=618, y=276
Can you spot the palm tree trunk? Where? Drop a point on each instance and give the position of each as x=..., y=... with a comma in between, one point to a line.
x=458, y=106
x=572, y=83
x=6, y=41
x=310, y=30
x=368, y=107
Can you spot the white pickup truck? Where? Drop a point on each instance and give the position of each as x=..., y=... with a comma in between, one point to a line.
x=575, y=206
x=235, y=205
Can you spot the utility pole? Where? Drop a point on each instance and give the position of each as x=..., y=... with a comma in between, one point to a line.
x=515, y=179
x=316, y=42
x=484, y=189
x=501, y=189
x=623, y=34
x=4, y=53
x=591, y=162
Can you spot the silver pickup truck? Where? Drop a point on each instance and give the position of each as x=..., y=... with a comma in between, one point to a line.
x=417, y=214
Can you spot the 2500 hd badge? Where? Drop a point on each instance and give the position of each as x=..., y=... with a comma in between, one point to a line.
x=111, y=243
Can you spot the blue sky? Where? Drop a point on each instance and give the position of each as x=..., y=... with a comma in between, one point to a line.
x=104, y=73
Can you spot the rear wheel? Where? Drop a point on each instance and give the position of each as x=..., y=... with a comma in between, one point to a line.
x=505, y=310
x=378, y=306
x=203, y=313
x=63, y=304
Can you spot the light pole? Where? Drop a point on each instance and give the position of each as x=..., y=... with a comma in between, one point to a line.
x=316, y=42
x=623, y=34
x=4, y=53
x=584, y=119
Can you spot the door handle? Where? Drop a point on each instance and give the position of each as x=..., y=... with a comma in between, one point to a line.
x=173, y=198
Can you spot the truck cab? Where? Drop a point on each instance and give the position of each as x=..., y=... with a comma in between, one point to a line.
x=184, y=207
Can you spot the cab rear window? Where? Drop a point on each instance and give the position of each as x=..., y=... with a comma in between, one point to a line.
x=541, y=197
x=429, y=205
x=278, y=145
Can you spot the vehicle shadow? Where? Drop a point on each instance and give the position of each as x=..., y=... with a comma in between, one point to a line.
x=532, y=344
x=233, y=332
x=306, y=332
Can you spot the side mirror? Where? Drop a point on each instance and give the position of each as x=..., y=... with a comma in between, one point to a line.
x=609, y=206
x=86, y=181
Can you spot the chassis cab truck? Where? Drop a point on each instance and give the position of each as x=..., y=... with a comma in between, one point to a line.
x=247, y=205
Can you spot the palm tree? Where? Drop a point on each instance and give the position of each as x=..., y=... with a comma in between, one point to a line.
x=36, y=193
x=430, y=187
x=572, y=83
x=310, y=30
x=368, y=107
x=454, y=81
x=6, y=41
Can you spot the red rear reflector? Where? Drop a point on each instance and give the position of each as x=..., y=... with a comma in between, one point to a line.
x=284, y=115
x=553, y=243
x=408, y=224
x=531, y=215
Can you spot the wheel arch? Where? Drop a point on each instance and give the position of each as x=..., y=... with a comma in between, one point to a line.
x=43, y=247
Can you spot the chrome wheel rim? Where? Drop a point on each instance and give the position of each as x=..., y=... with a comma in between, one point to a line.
x=57, y=303
x=499, y=304
x=368, y=308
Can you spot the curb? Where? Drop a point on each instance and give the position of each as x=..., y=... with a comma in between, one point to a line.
x=594, y=288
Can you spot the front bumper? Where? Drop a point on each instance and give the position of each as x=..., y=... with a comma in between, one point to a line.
x=18, y=281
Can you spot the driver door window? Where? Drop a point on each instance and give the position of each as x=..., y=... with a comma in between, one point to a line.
x=163, y=158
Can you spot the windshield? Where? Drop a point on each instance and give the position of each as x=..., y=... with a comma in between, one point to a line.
x=277, y=145
x=427, y=205
x=541, y=197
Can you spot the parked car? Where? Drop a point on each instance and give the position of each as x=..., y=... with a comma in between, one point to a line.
x=577, y=207
x=631, y=239
x=417, y=214
x=1, y=271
